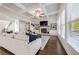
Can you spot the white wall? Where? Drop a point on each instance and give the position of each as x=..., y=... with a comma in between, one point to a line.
x=22, y=27
x=17, y=26
x=35, y=21
x=52, y=20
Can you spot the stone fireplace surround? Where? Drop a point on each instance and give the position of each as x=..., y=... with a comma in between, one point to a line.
x=44, y=30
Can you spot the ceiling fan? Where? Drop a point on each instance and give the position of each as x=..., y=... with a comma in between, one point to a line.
x=39, y=14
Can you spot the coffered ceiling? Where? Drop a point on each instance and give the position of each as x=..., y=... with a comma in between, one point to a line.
x=25, y=11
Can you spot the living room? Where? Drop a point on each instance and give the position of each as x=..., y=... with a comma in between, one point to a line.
x=39, y=28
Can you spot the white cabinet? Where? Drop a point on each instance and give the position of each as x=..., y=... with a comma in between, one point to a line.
x=53, y=32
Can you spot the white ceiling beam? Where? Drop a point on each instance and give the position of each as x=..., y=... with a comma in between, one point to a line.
x=15, y=13
x=46, y=4
x=53, y=13
x=20, y=5
x=46, y=13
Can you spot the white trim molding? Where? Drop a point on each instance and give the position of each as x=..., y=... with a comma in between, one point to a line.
x=69, y=50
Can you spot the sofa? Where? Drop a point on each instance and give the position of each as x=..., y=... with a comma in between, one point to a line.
x=18, y=44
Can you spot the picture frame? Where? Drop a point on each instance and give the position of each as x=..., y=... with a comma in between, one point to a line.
x=53, y=26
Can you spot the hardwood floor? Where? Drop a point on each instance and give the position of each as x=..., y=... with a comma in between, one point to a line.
x=53, y=47
x=4, y=51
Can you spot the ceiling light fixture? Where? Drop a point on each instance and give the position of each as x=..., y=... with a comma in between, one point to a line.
x=37, y=13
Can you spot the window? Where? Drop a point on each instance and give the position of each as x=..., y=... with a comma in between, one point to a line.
x=73, y=25
x=62, y=23
x=58, y=25
x=16, y=26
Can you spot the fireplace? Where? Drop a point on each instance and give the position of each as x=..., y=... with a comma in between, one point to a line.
x=43, y=30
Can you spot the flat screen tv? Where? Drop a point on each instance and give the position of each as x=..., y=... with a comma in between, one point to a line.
x=43, y=23
x=75, y=26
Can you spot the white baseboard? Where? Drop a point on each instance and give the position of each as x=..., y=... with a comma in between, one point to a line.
x=69, y=50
